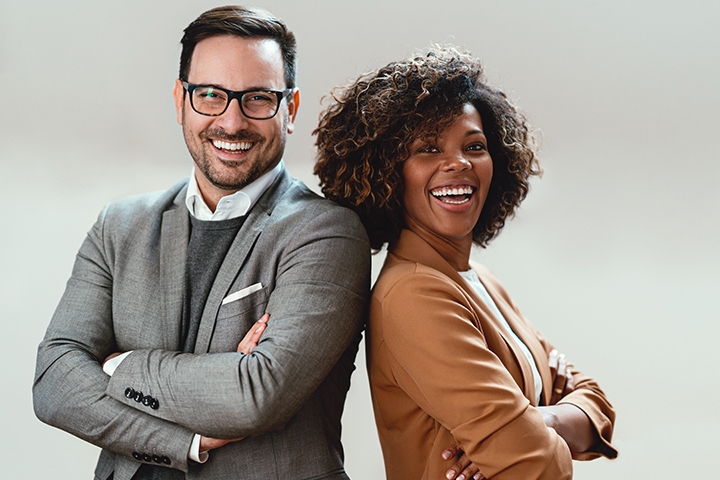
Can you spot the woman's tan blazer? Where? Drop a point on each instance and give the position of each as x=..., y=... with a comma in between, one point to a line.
x=443, y=370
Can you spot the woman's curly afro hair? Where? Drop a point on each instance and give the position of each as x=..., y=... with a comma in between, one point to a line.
x=363, y=137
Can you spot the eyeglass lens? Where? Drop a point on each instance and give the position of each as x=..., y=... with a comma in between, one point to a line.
x=256, y=104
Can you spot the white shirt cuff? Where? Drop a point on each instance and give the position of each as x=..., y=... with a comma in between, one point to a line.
x=195, y=454
x=114, y=362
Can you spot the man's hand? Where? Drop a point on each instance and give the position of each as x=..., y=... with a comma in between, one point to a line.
x=252, y=337
x=208, y=443
x=112, y=355
x=463, y=468
x=562, y=379
x=245, y=346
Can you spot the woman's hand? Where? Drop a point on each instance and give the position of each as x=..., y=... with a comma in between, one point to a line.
x=463, y=468
x=571, y=423
x=252, y=337
x=562, y=379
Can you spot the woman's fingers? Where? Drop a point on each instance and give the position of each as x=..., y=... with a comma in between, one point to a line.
x=463, y=468
x=559, y=379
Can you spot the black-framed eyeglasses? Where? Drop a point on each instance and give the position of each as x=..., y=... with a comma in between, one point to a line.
x=255, y=104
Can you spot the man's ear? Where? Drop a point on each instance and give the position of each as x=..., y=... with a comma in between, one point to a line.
x=293, y=105
x=179, y=96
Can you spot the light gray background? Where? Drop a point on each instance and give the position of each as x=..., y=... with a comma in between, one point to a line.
x=614, y=255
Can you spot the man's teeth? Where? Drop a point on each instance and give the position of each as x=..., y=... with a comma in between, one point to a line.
x=232, y=146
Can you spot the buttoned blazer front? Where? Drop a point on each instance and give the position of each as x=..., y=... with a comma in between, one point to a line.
x=126, y=293
x=443, y=369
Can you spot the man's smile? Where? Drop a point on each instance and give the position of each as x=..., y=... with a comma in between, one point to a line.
x=232, y=146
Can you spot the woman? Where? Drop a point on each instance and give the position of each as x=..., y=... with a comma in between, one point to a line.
x=434, y=160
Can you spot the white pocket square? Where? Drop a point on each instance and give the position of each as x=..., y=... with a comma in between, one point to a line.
x=242, y=293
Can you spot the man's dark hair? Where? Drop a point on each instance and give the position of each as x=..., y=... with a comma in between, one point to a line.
x=242, y=22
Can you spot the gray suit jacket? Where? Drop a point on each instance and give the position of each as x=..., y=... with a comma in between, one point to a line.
x=126, y=293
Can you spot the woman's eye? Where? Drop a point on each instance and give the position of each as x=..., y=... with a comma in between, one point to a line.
x=427, y=149
x=479, y=147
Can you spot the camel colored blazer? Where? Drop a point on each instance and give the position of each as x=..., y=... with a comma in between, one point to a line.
x=443, y=370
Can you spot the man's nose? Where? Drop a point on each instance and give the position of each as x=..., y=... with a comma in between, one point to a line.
x=233, y=119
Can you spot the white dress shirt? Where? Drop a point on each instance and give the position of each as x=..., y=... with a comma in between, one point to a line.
x=471, y=277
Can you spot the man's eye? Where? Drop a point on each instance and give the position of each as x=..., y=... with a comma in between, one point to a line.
x=206, y=94
x=259, y=98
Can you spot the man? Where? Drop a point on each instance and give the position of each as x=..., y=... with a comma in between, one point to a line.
x=176, y=279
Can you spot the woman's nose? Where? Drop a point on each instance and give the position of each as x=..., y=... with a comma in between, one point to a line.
x=456, y=162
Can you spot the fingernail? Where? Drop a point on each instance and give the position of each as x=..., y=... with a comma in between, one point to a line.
x=258, y=329
x=461, y=477
x=446, y=455
x=450, y=474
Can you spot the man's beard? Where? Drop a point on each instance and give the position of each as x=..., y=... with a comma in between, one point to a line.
x=254, y=167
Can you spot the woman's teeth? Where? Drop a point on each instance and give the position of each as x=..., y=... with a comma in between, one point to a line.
x=455, y=195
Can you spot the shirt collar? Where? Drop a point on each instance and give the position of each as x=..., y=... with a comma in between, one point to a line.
x=233, y=205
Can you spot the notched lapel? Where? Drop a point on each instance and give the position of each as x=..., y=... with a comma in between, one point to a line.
x=529, y=339
x=173, y=257
x=236, y=257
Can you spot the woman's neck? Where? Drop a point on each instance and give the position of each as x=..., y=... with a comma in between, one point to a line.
x=455, y=251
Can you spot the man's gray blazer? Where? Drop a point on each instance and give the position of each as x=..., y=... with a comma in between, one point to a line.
x=126, y=293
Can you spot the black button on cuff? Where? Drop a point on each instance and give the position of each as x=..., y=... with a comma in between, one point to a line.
x=130, y=392
x=155, y=404
x=156, y=459
x=147, y=400
x=138, y=396
x=165, y=460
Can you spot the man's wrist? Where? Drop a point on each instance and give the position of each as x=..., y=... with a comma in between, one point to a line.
x=195, y=454
x=111, y=365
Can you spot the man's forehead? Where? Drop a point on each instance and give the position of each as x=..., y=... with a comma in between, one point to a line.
x=241, y=58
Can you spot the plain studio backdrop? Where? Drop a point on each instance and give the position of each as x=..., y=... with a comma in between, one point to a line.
x=614, y=256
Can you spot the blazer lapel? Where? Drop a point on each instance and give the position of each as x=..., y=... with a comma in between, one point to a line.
x=527, y=335
x=525, y=383
x=241, y=247
x=414, y=248
x=173, y=252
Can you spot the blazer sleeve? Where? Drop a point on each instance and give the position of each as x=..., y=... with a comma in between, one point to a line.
x=587, y=394
x=590, y=398
x=316, y=310
x=439, y=357
x=69, y=386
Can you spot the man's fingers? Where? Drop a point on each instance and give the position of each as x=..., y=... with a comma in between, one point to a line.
x=253, y=336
